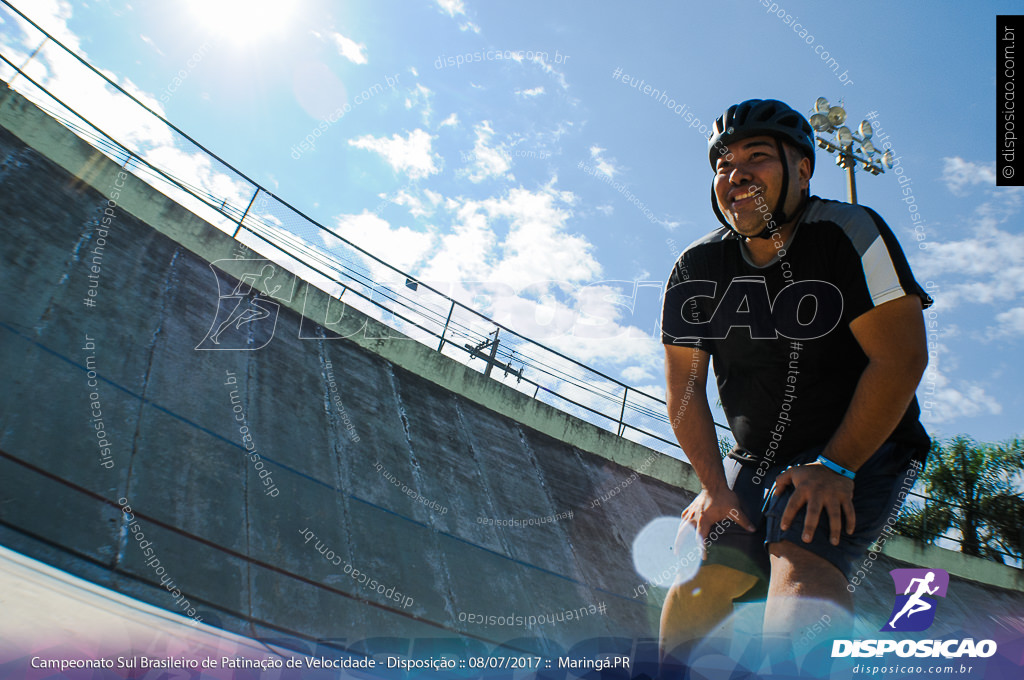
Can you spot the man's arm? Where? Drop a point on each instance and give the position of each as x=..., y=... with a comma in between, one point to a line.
x=686, y=373
x=892, y=336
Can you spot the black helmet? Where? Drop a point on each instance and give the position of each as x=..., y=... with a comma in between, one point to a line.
x=761, y=117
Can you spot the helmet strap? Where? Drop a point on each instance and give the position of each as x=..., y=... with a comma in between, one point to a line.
x=779, y=214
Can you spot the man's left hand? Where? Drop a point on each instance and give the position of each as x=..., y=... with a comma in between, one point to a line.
x=817, y=487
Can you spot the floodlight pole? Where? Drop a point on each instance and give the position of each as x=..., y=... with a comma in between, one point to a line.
x=828, y=120
x=851, y=183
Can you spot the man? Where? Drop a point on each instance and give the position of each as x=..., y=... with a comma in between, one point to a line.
x=814, y=321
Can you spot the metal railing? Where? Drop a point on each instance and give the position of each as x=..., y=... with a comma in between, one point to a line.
x=251, y=214
x=236, y=204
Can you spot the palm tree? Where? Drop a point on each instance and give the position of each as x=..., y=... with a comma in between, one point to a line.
x=975, y=489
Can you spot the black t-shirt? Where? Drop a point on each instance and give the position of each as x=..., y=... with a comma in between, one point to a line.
x=784, y=357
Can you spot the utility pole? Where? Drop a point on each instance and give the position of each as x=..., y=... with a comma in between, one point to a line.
x=476, y=351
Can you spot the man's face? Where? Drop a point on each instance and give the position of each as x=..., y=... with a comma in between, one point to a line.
x=747, y=186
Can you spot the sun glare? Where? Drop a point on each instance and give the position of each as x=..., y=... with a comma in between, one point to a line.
x=244, y=22
x=663, y=555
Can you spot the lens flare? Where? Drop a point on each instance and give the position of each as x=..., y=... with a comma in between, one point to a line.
x=664, y=552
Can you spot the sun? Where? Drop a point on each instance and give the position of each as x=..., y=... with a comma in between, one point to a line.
x=244, y=22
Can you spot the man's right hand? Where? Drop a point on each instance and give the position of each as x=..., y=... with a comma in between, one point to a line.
x=708, y=508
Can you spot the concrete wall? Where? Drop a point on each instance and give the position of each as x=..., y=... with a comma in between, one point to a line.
x=248, y=544
x=176, y=450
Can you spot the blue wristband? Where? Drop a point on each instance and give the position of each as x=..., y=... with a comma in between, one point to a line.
x=836, y=468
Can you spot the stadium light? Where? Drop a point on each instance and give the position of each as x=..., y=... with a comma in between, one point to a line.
x=852, y=148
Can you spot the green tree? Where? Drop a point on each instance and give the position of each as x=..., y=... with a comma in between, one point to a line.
x=974, y=489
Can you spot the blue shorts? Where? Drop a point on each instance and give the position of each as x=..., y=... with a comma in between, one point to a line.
x=891, y=470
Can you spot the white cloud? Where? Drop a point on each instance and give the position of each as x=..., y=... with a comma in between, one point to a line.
x=452, y=120
x=452, y=7
x=348, y=48
x=657, y=389
x=551, y=137
x=604, y=330
x=411, y=155
x=532, y=92
x=401, y=247
x=942, y=402
x=547, y=68
x=601, y=164
x=534, y=280
x=420, y=96
x=986, y=266
x=941, y=396
x=467, y=253
x=635, y=374
x=538, y=247
x=416, y=206
x=958, y=173
x=457, y=7
x=488, y=161
x=1011, y=323
x=149, y=41
x=627, y=346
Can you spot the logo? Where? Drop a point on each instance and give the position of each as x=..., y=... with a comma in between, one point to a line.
x=914, y=609
x=802, y=310
x=246, y=316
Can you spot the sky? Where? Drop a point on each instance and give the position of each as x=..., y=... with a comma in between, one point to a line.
x=512, y=153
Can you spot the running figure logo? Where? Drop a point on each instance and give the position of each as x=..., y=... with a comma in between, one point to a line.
x=914, y=609
x=246, y=316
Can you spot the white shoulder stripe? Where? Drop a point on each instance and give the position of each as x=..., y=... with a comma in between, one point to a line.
x=882, y=279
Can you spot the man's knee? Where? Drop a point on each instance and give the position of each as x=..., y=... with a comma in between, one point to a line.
x=715, y=581
x=695, y=607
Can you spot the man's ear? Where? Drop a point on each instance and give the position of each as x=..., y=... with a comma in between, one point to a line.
x=804, y=172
